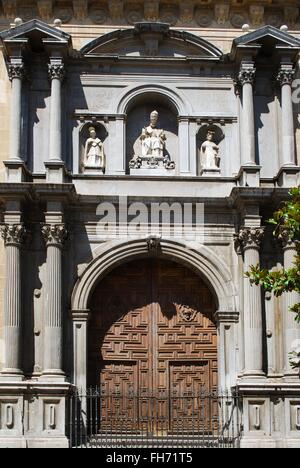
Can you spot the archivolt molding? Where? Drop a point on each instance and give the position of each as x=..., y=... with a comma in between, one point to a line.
x=199, y=258
x=125, y=100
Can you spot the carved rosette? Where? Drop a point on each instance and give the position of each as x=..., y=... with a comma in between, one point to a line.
x=286, y=76
x=54, y=234
x=246, y=76
x=16, y=71
x=248, y=238
x=56, y=71
x=13, y=234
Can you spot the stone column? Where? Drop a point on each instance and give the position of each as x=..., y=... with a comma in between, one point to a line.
x=249, y=240
x=291, y=329
x=16, y=72
x=13, y=236
x=56, y=74
x=285, y=78
x=55, y=236
x=246, y=80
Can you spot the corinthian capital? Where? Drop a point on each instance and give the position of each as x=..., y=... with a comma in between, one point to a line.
x=286, y=76
x=13, y=234
x=56, y=71
x=54, y=234
x=249, y=238
x=246, y=75
x=284, y=238
x=16, y=70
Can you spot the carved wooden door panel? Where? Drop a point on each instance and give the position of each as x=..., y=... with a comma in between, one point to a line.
x=152, y=331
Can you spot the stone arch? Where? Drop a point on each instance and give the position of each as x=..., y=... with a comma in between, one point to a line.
x=175, y=98
x=200, y=259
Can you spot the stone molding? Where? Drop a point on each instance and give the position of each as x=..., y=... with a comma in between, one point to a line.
x=249, y=238
x=55, y=234
x=13, y=234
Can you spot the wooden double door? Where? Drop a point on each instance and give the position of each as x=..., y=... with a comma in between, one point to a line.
x=152, y=331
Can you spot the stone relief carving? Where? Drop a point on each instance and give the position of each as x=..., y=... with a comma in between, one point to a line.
x=274, y=19
x=222, y=13
x=238, y=19
x=187, y=12
x=134, y=14
x=94, y=157
x=248, y=238
x=151, y=10
x=116, y=9
x=169, y=15
x=246, y=75
x=291, y=15
x=16, y=71
x=153, y=143
x=99, y=15
x=56, y=71
x=210, y=159
x=186, y=313
x=204, y=17
x=10, y=8
x=286, y=76
x=45, y=9
x=80, y=8
x=257, y=15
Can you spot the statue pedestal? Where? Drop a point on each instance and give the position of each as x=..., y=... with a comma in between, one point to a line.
x=153, y=172
x=210, y=172
x=93, y=170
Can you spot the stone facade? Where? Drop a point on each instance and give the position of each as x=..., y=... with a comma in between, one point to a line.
x=107, y=68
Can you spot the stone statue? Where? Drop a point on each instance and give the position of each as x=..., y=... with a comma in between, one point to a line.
x=94, y=158
x=153, y=139
x=210, y=159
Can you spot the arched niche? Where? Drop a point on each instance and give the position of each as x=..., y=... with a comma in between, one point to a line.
x=84, y=134
x=201, y=137
x=138, y=116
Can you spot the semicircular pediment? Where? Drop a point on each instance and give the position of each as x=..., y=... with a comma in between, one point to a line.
x=151, y=40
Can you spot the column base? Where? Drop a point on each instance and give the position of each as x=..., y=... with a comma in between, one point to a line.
x=55, y=375
x=11, y=375
x=253, y=376
x=249, y=176
x=16, y=171
x=56, y=172
x=288, y=176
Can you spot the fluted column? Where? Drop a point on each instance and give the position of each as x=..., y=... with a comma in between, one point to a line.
x=16, y=72
x=249, y=240
x=285, y=78
x=54, y=236
x=291, y=329
x=13, y=235
x=246, y=80
x=56, y=74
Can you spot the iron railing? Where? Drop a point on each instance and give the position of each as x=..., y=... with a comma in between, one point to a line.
x=100, y=419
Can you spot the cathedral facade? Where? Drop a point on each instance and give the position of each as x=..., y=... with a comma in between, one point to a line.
x=144, y=146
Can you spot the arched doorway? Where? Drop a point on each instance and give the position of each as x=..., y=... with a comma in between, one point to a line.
x=152, y=329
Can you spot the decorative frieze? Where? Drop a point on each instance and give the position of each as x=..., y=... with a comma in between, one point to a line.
x=116, y=9
x=222, y=13
x=291, y=15
x=55, y=234
x=151, y=10
x=257, y=15
x=13, y=234
x=45, y=9
x=80, y=8
x=186, y=12
x=56, y=71
x=10, y=8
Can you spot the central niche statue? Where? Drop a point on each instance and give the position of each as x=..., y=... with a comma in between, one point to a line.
x=153, y=143
x=94, y=158
x=210, y=158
